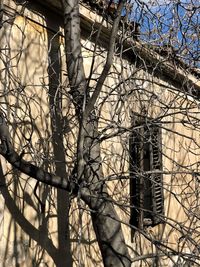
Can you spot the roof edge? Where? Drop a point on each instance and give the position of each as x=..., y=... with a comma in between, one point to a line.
x=177, y=73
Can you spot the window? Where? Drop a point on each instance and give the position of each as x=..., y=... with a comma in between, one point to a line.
x=146, y=181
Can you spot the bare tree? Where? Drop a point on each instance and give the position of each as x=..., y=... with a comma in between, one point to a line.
x=105, y=131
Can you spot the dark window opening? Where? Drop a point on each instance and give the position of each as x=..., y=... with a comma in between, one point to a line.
x=146, y=180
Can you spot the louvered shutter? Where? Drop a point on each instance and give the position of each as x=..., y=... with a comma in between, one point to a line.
x=156, y=178
x=135, y=161
x=146, y=190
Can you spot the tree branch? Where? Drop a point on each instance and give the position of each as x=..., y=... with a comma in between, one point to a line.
x=75, y=68
x=109, y=60
x=8, y=152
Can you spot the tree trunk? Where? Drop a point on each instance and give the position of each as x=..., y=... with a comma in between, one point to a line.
x=89, y=170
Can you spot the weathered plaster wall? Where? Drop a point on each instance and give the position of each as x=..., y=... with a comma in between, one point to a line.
x=32, y=52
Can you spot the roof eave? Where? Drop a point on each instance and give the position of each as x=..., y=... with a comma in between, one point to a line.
x=89, y=18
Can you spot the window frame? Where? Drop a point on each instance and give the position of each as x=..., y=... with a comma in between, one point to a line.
x=146, y=182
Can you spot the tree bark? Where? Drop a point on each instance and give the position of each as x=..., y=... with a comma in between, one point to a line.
x=89, y=170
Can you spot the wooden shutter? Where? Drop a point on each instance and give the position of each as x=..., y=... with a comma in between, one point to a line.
x=135, y=159
x=146, y=191
x=156, y=178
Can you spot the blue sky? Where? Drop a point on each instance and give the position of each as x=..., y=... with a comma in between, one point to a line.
x=175, y=23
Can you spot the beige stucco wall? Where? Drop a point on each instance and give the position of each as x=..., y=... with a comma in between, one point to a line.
x=25, y=67
x=179, y=116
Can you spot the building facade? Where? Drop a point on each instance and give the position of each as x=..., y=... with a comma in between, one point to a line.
x=148, y=131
